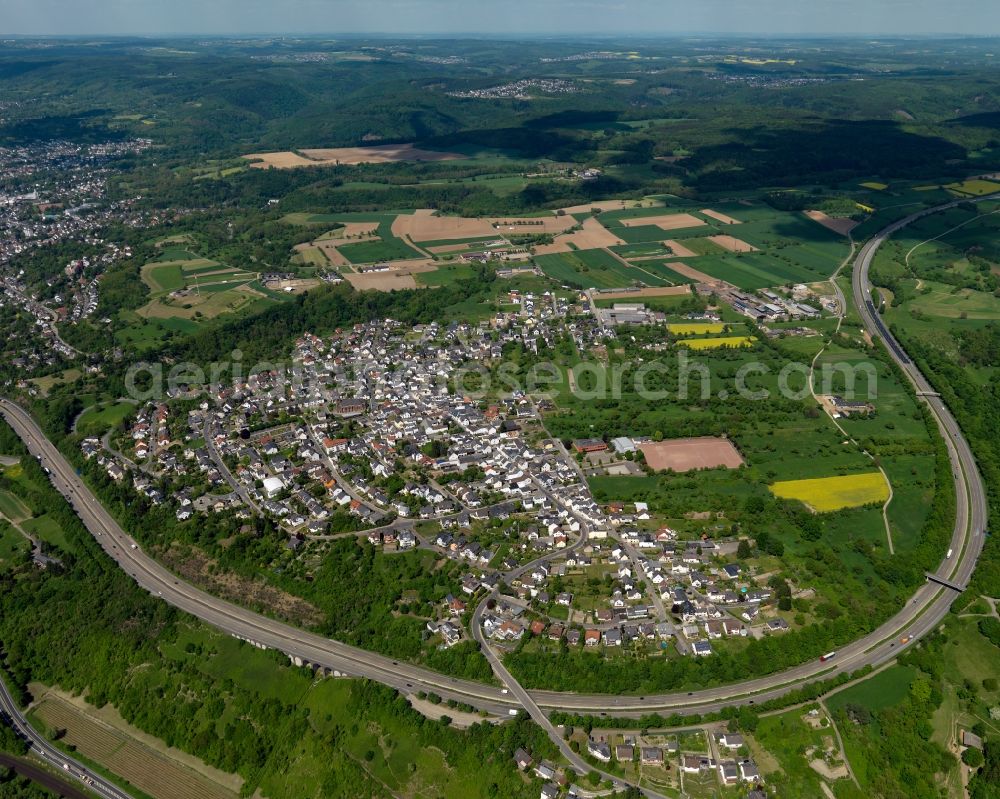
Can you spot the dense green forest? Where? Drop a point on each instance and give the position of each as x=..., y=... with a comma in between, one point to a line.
x=826, y=113
x=13, y=786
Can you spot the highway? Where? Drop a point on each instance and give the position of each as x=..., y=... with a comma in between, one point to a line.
x=920, y=615
x=44, y=750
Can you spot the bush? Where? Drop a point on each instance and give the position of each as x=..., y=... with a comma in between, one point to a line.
x=991, y=629
x=972, y=757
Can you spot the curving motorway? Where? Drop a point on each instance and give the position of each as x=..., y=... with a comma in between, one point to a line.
x=920, y=615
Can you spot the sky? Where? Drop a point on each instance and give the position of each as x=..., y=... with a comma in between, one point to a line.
x=500, y=17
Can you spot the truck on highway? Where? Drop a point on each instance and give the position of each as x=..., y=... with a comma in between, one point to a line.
x=827, y=656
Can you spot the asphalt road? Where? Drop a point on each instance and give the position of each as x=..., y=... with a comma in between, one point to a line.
x=41, y=748
x=920, y=615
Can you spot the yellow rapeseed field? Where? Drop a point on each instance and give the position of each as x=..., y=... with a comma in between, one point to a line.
x=833, y=493
x=713, y=343
x=695, y=328
x=976, y=188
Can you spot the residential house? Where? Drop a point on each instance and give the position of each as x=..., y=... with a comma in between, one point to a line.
x=599, y=750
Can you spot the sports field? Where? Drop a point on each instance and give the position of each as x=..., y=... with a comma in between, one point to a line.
x=685, y=454
x=825, y=494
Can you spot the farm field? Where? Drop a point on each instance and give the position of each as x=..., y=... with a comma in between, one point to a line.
x=839, y=225
x=304, y=218
x=716, y=343
x=445, y=275
x=160, y=772
x=732, y=244
x=754, y=271
x=695, y=328
x=974, y=188
x=881, y=690
x=593, y=269
x=370, y=252
x=695, y=246
x=378, y=154
x=586, y=257
x=718, y=216
x=675, y=221
x=834, y=493
x=400, y=275
x=311, y=256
